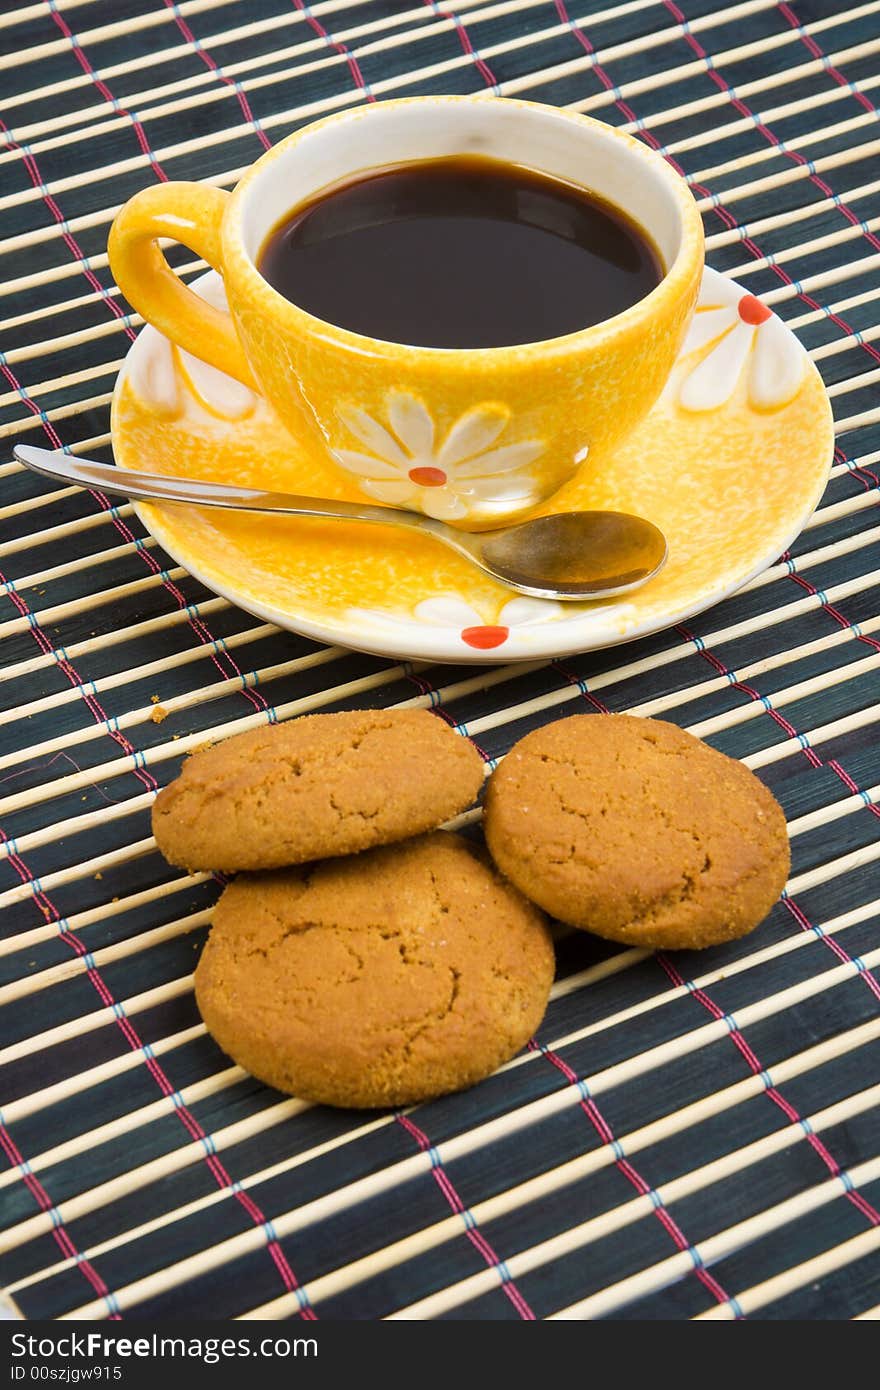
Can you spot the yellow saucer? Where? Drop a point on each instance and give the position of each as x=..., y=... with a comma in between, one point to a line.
x=730, y=464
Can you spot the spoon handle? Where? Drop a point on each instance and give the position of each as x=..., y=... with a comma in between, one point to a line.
x=156, y=487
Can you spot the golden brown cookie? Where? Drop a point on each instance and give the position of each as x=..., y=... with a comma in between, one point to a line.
x=637, y=831
x=384, y=979
x=320, y=786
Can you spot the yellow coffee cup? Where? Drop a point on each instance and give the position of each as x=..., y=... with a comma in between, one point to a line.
x=474, y=436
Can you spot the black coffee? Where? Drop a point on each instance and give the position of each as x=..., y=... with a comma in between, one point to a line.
x=460, y=253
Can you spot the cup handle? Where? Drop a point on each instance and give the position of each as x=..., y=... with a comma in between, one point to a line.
x=190, y=213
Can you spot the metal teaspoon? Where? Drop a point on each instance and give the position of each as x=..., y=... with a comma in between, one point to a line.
x=572, y=555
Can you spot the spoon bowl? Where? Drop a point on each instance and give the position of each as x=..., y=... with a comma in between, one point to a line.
x=569, y=556
x=575, y=555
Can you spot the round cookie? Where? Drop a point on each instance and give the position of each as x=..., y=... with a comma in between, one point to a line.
x=637, y=831
x=401, y=974
x=319, y=786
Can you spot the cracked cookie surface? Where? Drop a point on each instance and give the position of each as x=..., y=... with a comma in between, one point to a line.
x=637, y=831
x=404, y=973
x=318, y=786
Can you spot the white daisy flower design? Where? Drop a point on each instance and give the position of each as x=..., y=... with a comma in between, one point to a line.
x=460, y=623
x=451, y=612
x=465, y=473
x=741, y=329
x=175, y=383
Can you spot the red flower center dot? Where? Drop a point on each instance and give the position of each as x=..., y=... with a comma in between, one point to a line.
x=427, y=477
x=484, y=638
x=752, y=311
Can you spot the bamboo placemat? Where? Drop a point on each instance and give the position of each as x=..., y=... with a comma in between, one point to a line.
x=690, y=1137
